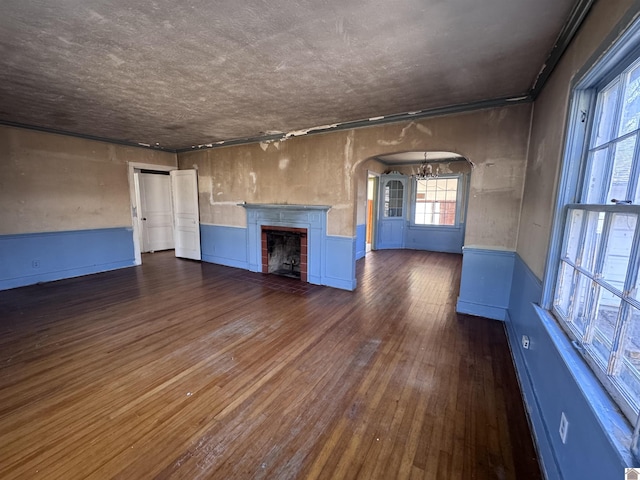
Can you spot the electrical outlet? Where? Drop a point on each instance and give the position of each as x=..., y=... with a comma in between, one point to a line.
x=35, y=263
x=525, y=342
x=564, y=427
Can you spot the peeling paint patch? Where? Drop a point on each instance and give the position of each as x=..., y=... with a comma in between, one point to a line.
x=424, y=129
x=254, y=178
x=298, y=133
x=283, y=163
x=399, y=140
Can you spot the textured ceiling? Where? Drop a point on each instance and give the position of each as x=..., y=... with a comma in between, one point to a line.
x=190, y=72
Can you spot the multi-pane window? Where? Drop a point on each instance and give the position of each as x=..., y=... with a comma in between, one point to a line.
x=393, y=198
x=436, y=201
x=596, y=294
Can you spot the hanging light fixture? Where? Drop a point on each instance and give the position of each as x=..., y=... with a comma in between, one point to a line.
x=425, y=170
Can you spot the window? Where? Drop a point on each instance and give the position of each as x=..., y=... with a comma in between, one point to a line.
x=393, y=198
x=436, y=201
x=596, y=294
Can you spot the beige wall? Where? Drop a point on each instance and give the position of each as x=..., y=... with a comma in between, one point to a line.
x=52, y=182
x=548, y=130
x=329, y=169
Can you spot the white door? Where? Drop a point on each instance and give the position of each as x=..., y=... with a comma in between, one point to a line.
x=156, y=219
x=186, y=217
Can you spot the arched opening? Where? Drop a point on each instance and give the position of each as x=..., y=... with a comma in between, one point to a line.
x=421, y=201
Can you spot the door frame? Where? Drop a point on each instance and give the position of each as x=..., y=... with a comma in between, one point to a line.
x=134, y=202
x=374, y=219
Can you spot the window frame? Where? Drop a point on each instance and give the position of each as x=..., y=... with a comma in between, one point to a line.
x=598, y=73
x=598, y=284
x=459, y=201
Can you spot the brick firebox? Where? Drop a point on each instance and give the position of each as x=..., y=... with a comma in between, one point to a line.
x=303, y=248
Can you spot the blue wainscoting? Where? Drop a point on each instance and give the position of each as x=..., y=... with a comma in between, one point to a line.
x=26, y=259
x=330, y=260
x=434, y=238
x=554, y=379
x=361, y=241
x=339, y=269
x=485, y=286
x=224, y=245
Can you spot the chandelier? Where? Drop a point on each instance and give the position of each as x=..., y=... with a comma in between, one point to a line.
x=426, y=170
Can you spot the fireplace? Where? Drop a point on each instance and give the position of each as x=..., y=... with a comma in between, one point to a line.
x=310, y=221
x=284, y=251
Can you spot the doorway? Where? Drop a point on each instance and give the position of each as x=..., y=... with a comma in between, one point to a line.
x=155, y=212
x=372, y=193
x=164, y=210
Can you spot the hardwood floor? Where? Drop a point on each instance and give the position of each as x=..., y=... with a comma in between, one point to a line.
x=178, y=369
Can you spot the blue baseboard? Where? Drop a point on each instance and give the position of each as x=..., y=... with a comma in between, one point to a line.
x=554, y=379
x=361, y=241
x=485, y=285
x=26, y=259
x=479, y=310
x=224, y=245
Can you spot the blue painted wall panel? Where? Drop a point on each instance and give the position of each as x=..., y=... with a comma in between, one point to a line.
x=31, y=258
x=339, y=264
x=555, y=379
x=361, y=241
x=435, y=239
x=224, y=245
x=485, y=285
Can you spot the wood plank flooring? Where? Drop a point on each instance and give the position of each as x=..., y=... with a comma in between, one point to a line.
x=178, y=369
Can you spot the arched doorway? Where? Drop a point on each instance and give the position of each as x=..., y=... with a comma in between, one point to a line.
x=422, y=201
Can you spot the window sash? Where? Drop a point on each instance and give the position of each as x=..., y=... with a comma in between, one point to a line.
x=433, y=211
x=586, y=289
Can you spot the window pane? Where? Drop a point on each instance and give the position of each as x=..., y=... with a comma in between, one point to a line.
x=564, y=289
x=622, y=160
x=581, y=308
x=628, y=371
x=604, y=124
x=573, y=235
x=631, y=102
x=604, y=324
x=452, y=186
x=598, y=162
x=619, y=243
x=593, y=236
